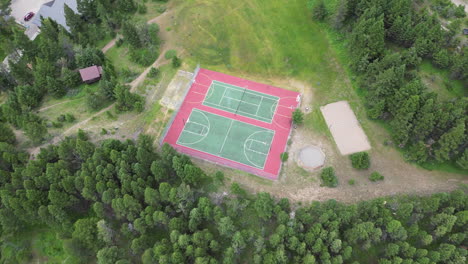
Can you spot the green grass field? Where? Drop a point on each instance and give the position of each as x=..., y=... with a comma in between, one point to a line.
x=226, y=138
x=258, y=38
x=241, y=101
x=439, y=81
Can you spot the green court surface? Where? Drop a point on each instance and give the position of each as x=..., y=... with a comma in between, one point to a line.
x=241, y=101
x=226, y=138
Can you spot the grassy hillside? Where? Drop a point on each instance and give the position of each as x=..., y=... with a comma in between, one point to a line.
x=256, y=36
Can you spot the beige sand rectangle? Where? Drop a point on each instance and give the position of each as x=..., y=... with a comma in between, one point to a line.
x=345, y=128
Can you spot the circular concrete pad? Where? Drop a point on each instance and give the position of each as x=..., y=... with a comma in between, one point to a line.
x=311, y=158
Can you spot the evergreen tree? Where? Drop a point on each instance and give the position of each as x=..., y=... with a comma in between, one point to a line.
x=462, y=161
x=441, y=58
x=130, y=33
x=402, y=123
x=73, y=20
x=319, y=11
x=448, y=144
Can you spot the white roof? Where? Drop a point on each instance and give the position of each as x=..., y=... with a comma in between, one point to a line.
x=55, y=11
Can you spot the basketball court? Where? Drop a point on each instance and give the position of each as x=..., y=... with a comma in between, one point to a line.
x=234, y=122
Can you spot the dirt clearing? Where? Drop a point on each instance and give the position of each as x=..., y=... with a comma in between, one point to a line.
x=345, y=128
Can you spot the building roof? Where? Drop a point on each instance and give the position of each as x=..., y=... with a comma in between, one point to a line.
x=55, y=11
x=91, y=73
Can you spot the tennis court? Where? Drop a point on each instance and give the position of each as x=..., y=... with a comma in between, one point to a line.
x=241, y=101
x=233, y=122
x=227, y=138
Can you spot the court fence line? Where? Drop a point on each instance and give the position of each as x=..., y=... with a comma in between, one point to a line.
x=298, y=104
x=179, y=104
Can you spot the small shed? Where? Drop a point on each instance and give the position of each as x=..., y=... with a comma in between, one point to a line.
x=465, y=31
x=91, y=74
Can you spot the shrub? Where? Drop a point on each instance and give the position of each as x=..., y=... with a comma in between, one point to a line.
x=170, y=54
x=219, y=176
x=153, y=73
x=351, y=182
x=142, y=9
x=176, y=62
x=375, y=176
x=238, y=190
x=110, y=115
x=69, y=118
x=95, y=101
x=103, y=131
x=360, y=160
x=61, y=118
x=319, y=11
x=144, y=57
x=57, y=124
x=119, y=42
x=127, y=75
x=284, y=156
x=328, y=177
x=298, y=117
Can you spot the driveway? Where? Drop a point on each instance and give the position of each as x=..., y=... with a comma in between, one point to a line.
x=19, y=8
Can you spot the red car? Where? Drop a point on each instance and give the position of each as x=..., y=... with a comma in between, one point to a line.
x=28, y=16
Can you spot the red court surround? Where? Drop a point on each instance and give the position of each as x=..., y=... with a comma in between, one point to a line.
x=281, y=123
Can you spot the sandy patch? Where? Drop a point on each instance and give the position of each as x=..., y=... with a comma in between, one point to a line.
x=345, y=128
x=176, y=90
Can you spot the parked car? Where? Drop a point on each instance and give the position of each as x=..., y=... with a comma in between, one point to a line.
x=28, y=16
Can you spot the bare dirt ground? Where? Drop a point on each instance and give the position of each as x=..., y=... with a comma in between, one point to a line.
x=345, y=128
x=109, y=45
x=300, y=185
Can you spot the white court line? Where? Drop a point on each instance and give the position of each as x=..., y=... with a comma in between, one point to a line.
x=258, y=106
x=198, y=124
x=234, y=87
x=254, y=93
x=256, y=151
x=207, y=92
x=222, y=97
x=249, y=92
x=227, y=134
x=255, y=166
x=248, y=138
x=249, y=115
x=274, y=111
x=240, y=101
x=183, y=130
x=193, y=122
x=190, y=132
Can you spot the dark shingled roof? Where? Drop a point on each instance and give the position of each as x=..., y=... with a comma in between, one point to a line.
x=91, y=73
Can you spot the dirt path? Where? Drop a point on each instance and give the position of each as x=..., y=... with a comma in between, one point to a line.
x=133, y=85
x=50, y=106
x=109, y=45
x=164, y=47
